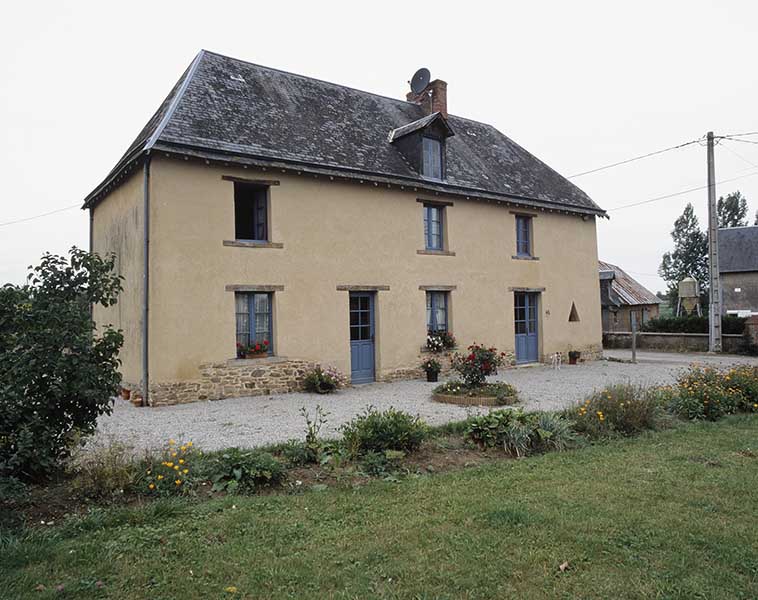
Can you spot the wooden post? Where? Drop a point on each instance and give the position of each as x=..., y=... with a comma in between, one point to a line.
x=634, y=337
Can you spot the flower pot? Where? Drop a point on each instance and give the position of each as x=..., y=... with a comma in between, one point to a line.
x=431, y=376
x=572, y=360
x=256, y=355
x=137, y=400
x=126, y=394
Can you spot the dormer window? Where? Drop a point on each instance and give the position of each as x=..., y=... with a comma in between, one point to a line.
x=432, y=158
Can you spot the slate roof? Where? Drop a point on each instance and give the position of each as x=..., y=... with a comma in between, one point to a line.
x=396, y=134
x=227, y=109
x=624, y=289
x=738, y=249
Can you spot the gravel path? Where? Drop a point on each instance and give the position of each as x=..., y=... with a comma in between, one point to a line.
x=267, y=419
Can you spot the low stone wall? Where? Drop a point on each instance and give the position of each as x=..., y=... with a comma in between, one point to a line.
x=233, y=379
x=670, y=342
x=416, y=372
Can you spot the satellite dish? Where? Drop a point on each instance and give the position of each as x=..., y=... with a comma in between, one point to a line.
x=420, y=80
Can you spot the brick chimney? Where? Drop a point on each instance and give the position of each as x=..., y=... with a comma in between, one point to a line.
x=433, y=98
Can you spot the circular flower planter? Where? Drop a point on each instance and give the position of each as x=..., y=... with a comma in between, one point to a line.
x=466, y=400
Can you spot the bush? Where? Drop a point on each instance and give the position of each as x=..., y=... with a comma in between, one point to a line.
x=235, y=470
x=381, y=431
x=105, y=472
x=709, y=394
x=692, y=324
x=502, y=391
x=444, y=340
x=519, y=433
x=173, y=475
x=623, y=408
x=324, y=381
x=475, y=366
x=56, y=376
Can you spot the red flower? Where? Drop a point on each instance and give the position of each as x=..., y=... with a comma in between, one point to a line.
x=257, y=346
x=265, y=342
x=471, y=356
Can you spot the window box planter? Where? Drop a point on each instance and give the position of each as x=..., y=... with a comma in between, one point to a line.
x=251, y=355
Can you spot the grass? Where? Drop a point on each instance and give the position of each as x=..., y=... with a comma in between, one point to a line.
x=663, y=515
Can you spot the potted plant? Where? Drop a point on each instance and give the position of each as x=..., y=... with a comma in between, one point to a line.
x=126, y=393
x=253, y=350
x=432, y=369
x=574, y=356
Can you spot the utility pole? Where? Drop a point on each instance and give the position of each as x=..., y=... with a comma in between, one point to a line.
x=714, y=308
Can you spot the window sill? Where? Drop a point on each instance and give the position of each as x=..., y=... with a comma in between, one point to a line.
x=435, y=252
x=517, y=257
x=252, y=244
x=251, y=362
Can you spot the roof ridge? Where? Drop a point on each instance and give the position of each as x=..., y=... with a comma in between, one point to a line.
x=174, y=101
x=339, y=85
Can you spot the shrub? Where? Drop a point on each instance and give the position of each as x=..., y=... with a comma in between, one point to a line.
x=475, y=366
x=502, y=391
x=519, y=433
x=744, y=378
x=324, y=381
x=692, y=324
x=56, y=376
x=173, y=475
x=622, y=408
x=380, y=431
x=709, y=394
x=105, y=472
x=377, y=464
x=235, y=470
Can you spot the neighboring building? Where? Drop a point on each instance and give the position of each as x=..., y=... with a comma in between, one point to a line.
x=738, y=267
x=620, y=296
x=339, y=225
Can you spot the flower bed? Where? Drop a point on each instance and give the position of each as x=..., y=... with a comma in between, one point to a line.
x=488, y=394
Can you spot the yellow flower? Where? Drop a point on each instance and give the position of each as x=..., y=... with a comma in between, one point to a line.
x=189, y=444
x=171, y=442
x=173, y=454
x=185, y=471
x=151, y=486
x=182, y=448
x=178, y=482
x=148, y=471
x=176, y=467
x=169, y=464
x=181, y=461
x=159, y=477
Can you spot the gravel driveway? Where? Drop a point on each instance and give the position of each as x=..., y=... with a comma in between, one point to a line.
x=266, y=419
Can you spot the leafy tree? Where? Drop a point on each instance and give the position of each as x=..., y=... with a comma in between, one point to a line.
x=689, y=257
x=56, y=375
x=732, y=210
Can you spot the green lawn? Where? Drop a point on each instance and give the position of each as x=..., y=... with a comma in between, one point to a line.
x=665, y=515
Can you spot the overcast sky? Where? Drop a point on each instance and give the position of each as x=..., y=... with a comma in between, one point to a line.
x=578, y=84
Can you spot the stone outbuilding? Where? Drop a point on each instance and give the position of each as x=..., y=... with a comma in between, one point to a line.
x=620, y=296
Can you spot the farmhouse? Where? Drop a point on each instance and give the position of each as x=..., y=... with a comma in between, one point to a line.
x=621, y=296
x=339, y=227
x=738, y=267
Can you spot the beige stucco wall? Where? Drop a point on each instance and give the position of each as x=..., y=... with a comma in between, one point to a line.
x=342, y=233
x=118, y=227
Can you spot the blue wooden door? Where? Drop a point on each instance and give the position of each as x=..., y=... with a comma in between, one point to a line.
x=526, y=322
x=362, y=337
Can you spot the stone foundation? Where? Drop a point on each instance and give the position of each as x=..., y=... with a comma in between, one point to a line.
x=234, y=379
x=415, y=372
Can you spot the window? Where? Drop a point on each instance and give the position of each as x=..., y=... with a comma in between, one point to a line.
x=431, y=165
x=254, y=323
x=250, y=212
x=436, y=312
x=523, y=235
x=433, y=226
x=574, y=314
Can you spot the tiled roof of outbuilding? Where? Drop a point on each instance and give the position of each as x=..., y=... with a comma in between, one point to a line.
x=224, y=107
x=629, y=291
x=738, y=249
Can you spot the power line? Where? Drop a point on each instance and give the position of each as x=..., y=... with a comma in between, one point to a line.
x=734, y=135
x=743, y=141
x=629, y=160
x=52, y=212
x=681, y=193
x=738, y=155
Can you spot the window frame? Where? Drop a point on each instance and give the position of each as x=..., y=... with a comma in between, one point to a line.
x=428, y=142
x=257, y=210
x=252, y=318
x=524, y=242
x=429, y=209
x=431, y=311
